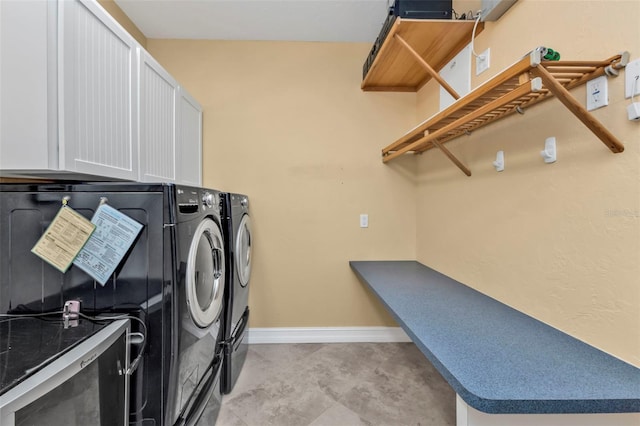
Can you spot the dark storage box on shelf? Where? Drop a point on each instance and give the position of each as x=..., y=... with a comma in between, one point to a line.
x=414, y=9
x=422, y=9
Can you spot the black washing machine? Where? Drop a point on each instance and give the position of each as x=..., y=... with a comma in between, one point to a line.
x=172, y=279
x=237, y=228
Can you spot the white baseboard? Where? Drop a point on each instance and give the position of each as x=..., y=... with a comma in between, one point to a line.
x=326, y=335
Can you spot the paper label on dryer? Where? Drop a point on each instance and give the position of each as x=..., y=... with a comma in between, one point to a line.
x=114, y=235
x=64, y=238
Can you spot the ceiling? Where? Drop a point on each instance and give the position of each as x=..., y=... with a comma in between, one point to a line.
x=288, y=20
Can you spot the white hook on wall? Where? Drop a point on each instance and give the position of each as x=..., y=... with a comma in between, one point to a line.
x=549, y=152
x=499, y=163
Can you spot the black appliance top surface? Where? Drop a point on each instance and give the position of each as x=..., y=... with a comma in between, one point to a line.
x=94, y=187
x=83, y=187
x=28, y=344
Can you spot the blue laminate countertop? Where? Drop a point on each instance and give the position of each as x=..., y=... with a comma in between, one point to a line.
x=496, y=358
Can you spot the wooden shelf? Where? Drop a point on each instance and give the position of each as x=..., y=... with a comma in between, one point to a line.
x=523, y=84
x=436, y=41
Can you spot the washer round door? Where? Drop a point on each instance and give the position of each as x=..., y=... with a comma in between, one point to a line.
x=205, y=274
x=243, y=250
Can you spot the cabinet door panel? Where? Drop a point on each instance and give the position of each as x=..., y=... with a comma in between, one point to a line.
x=97, y=92
x=158, y=92
x=28, y=130
x=190, y=140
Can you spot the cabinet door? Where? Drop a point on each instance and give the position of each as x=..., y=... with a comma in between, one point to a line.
x=28, y=117
x=189, y=140
x=97, y=92
x=158, y=95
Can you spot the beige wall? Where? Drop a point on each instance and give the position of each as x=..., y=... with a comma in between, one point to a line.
x=287, y=124
x=560, y=242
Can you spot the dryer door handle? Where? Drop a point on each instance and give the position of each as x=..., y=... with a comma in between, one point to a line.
x=217, y=262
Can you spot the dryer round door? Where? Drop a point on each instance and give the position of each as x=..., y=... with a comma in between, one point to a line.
x=243, y=250
x=205, y=274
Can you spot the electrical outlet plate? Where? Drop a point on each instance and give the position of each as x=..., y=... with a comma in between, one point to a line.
x=364, y=220
x=597, y=93
x=631, y=73
x=482, y=62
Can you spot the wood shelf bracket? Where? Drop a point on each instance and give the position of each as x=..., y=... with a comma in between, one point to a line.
x=428, y=68
x=579, y=111
x=453, y=158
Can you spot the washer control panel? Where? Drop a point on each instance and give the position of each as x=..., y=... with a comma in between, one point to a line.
x=240, y=200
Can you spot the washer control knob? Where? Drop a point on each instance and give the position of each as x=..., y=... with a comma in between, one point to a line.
x=208, y=199
x=244, y=202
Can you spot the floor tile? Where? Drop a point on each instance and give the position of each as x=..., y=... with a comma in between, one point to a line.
x=280, y=403
x=346, y=384
x=255, y=370
x=285, y=354
x=226, y=417
x=405, y=390
x=338, y=414
x=337, y=368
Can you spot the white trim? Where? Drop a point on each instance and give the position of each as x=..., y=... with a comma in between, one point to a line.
x=326, y=335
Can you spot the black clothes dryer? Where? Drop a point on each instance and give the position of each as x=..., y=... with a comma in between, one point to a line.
x=198, y=306
x=237, y=228
x=172, y=279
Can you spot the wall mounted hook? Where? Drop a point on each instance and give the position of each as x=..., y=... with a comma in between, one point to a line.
x=499, y=163
x=549, y=152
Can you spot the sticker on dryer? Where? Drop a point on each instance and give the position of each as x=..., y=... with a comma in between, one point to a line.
x=114, y=235
x=64, y=238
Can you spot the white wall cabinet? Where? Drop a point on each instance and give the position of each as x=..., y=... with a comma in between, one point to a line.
x=80, y=99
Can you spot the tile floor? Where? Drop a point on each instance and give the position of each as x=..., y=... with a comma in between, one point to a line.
x=338, y=384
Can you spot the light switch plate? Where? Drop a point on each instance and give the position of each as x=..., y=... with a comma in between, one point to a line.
x=632, y=79
x=482, y=61
x=597, y=93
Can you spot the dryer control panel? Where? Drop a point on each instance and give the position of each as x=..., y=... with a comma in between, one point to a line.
x=188, y=200
x=193, y=200
x=209, y=199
